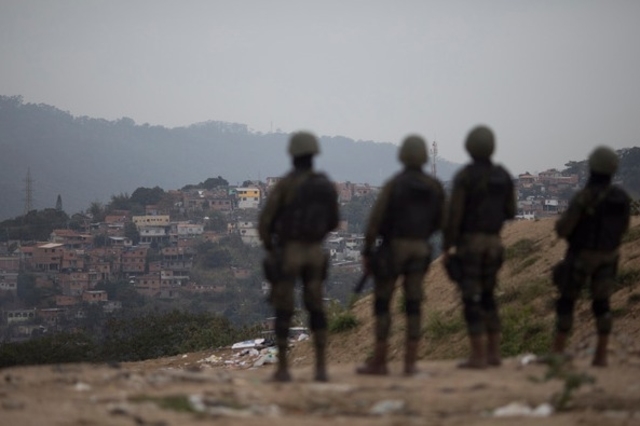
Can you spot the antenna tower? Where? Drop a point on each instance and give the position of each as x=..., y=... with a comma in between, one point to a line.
x=28, y=201
x=434, y=155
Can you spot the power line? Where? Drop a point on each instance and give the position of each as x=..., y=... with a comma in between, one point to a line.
x=28, y=201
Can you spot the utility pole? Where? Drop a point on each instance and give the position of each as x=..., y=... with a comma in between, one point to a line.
x=28, y=201
x=434, y=155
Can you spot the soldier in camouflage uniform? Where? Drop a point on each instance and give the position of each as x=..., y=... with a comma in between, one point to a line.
x=593, y=226
x=408, y=210
x=300, y=211
x=482, y=199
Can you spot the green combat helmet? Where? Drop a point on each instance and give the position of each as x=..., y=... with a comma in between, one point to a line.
x=413, y=152
x=303, y=143
x=480, y=143
x=603, y=161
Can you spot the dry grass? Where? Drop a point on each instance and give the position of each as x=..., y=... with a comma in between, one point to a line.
x=526, y=299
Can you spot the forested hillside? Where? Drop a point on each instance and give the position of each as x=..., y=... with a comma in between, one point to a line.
x=86, y=159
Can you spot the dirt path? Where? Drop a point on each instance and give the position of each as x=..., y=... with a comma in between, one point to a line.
x=186, y=391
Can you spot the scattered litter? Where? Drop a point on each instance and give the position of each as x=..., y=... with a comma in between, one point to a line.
x=391, y=406
x=82, y=387
x=527, y=359
x=302, y=336
x=516, y=409
x=216, y=408
x=248, y=344
x=213, y=359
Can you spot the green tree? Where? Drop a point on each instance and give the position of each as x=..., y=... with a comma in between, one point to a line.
x=131, y=232
x=214, y=183
x=147, y=196
x=356, y=212
x=217, y=221
x=27, y=290
x=119, y=202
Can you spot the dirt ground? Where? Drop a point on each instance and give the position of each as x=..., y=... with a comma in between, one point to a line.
x=183, y=391
x=226, y=387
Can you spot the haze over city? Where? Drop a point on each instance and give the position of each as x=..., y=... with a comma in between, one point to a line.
x=552, y=78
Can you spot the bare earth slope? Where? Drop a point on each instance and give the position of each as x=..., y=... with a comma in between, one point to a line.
x=200, y=388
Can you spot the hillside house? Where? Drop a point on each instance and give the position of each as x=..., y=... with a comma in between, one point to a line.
x=10, y=263
x=70, y=238
x=9, y=283
x=221, y=204
x=248, y=233
x=72, y=259
x=51, y=316
x=47, y=257
x=248, y=198
x=94, y=296
x=153, y=234
x=186, y=229
x=177, y=259
x=74, y=283
x=134, y=260
x=148, y=285
x=144, y=221
x=13, y=316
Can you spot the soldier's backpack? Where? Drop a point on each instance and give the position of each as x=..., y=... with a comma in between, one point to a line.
x=312, y=212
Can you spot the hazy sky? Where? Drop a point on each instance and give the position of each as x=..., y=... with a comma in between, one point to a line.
x=553, y=78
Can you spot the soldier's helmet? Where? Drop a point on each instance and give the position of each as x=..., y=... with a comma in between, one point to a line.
x=303, y=143
x=480, y=143
x=413, y=152
x=603, y=160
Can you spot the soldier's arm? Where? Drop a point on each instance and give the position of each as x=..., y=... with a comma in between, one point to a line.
x=376, y=218
x=569, y=219
x=268, y=215
x=455, y=210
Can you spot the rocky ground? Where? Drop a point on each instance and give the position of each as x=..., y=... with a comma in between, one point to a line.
x=202, y=388
x=232, y=387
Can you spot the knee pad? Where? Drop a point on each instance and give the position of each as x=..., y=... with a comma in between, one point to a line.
x=412, y=307
x=381, y=307
x=283, y=320
x=317, y=320
x=487, y=301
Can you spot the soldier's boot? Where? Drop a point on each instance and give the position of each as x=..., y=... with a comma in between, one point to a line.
x=600, y=356
x=410, y=357
x=282, y=371
x=377, y=364
x=478, y=357
x=493, y=349
x=559, y=343
x=320, y=338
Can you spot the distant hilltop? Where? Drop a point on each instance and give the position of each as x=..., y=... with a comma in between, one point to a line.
x=86, y=159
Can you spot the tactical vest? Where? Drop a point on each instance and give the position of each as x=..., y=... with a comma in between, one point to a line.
x=310, y=212
x=487, y=188
x=414, y=208
x=604, y=220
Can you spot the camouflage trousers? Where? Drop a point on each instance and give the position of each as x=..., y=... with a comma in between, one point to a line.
x=306, y=262
x=409, y=260
x=595, y=269
x=482, y=256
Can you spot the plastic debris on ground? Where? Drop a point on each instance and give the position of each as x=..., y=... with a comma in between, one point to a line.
x=519, y=409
